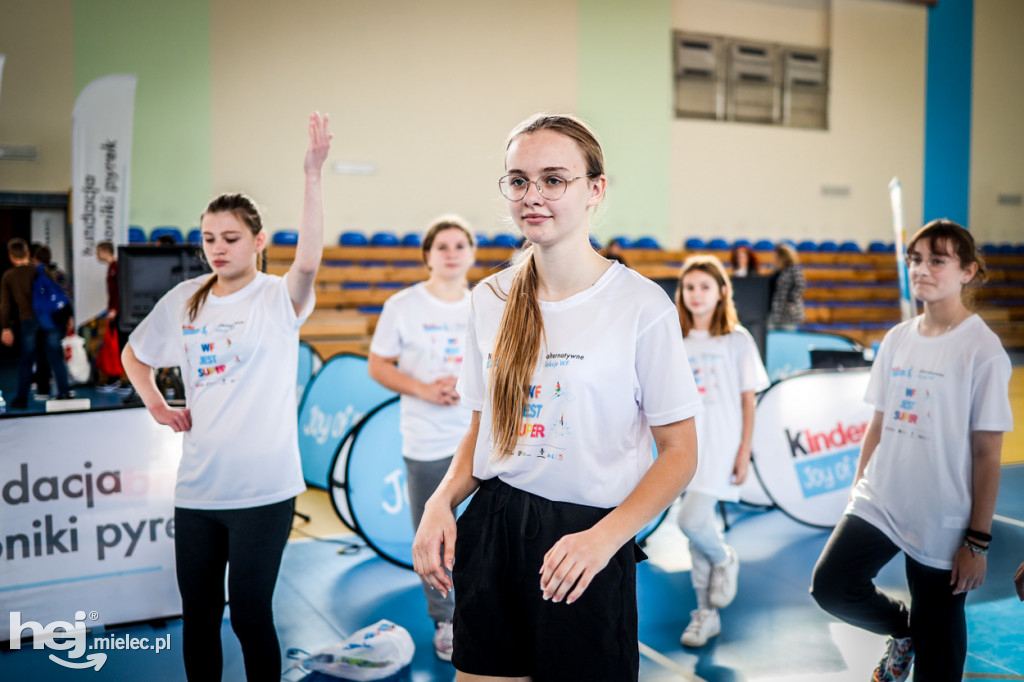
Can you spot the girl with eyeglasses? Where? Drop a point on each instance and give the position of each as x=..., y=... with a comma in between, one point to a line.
x=928, y=474
x=572, y=362
x=417, y=351
x=235, y=336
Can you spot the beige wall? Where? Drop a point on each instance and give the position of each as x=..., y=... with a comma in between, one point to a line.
x=37, y=93
x=997, y=135
x=425, y=91
x=741, y=180
x=793, y=22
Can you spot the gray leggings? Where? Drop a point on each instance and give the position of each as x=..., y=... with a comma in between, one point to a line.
x=423, y=479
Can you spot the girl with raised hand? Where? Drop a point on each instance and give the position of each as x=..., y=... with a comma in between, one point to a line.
x=571, y=363
x=928, y=473
x=235, y=336
x=729, y=372
x=417, y=351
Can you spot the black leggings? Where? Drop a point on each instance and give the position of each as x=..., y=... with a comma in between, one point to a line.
x=842, y=585
x=252, y=540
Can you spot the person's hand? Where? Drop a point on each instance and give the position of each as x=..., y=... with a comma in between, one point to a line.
x=319, y=144
x=440, y=392
x=435, y=534
x=968, y=571
x=741, y=467
x=1018, y=581
x=7, y=337
x=179, y=419
x=572, y=563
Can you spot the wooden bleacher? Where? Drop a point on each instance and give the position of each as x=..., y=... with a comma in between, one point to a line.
x=852, y=294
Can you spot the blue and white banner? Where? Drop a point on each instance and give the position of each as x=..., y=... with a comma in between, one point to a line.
x=908, y=307
x=87, y=522
x=101, y=159
x=807, y=435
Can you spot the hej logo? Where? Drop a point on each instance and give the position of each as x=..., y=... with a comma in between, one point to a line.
x=60, y=636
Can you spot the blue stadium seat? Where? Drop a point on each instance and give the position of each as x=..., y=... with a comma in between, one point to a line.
x=1019, y=248
x=877, y=247
x=136, y=235
x=828, y=246
x=623, y=241
x=742, y=242
x=167, y=231
x=718, y=244
x=353, y=239
x=694, y=244
x=849, y=247
x=195, y=236
x=646, y=243
x=412, y=239
x=285, y=238
x=596, y=245
x=989, y=248
x=505, y=241
x=482, y=239
x=384, y=239
x=763, y=245
x=1006, y=248
x=807, y=246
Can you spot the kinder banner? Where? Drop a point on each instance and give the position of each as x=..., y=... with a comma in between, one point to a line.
x=807, y=435
x=101, y=158
x=87, y=519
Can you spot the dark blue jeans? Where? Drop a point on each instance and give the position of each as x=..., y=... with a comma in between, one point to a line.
x=31, y=334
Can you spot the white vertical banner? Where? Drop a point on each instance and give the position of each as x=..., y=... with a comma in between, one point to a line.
x=1, y=70
x=101, y=157
x=908, y=307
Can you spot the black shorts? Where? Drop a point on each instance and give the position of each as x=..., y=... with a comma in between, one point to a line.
x=503, y=626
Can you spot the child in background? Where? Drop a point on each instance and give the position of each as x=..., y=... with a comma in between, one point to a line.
x=728, y=372
x=417, y=351
x=928, y=474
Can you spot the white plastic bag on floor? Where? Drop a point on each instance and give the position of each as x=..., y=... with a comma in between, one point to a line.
x=376, y=652
x=79, y=369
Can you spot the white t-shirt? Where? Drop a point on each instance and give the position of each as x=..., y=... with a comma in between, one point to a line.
x=428, y=337
x=933, y=392
x=611, y=365
x=724, y=367
x=238, y=360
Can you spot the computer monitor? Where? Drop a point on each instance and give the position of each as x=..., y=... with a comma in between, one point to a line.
x=148, y=271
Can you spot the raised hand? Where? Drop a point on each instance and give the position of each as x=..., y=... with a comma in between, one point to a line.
x=319, y=143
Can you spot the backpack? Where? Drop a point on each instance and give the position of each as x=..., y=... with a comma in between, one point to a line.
x=50, y=304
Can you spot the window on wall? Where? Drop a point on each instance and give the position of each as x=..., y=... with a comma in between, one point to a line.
x=731, y=79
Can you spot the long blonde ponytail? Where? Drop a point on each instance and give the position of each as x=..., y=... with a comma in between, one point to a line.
x=514, y=357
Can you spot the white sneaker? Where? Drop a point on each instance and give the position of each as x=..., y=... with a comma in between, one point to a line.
x=722, y=586
x=443, y=640
x=704, y=624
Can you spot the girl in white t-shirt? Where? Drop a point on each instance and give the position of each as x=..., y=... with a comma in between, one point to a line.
x=571, y=363
x=235, y=336
x=928, y=474
x=417, y=352
x=728, y=371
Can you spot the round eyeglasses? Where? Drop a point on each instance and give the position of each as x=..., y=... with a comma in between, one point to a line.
x=551, y=186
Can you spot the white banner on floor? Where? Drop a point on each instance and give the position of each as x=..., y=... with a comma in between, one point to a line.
x=86, y=518
x=101, y=159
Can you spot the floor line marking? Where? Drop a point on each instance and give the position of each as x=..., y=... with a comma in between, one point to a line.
x=992, y=676
x=1012, y=522
x=666, y=662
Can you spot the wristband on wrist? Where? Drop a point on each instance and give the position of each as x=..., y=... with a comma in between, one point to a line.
x=976, y=549
x=978, y=535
